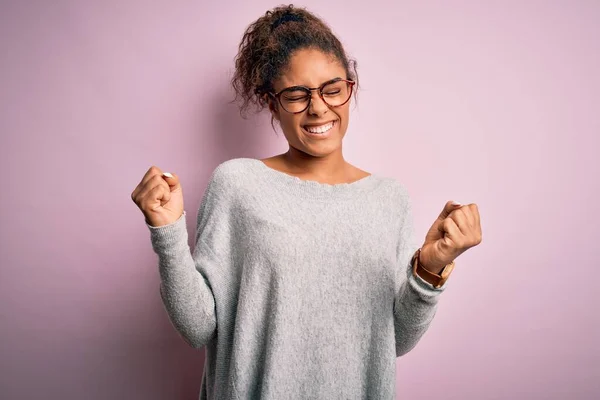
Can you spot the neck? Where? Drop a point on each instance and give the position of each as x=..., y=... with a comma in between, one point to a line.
x=330, y=166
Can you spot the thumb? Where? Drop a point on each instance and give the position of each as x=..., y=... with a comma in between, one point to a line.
x=448, y=208
x=172, y=180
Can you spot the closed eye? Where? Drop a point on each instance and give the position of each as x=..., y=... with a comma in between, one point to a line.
x=296, y=98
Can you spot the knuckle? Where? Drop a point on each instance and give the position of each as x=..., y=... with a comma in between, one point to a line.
x=147, y=201
x=153, y=190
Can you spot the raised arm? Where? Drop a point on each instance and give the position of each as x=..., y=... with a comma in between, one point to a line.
x=185, y=289
x=415, y=303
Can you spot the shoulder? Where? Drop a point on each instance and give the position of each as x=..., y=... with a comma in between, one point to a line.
x=230, y=174
x=223, y=183
x=231, y=170
x=399, y=188
x=393, y=188
x=397, y=194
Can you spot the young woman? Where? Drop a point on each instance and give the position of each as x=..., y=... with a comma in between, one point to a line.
x=305, y=280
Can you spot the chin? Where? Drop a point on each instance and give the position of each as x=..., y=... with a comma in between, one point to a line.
x=319, y=149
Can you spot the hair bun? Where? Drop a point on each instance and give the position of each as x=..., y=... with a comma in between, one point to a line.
x=286, y=17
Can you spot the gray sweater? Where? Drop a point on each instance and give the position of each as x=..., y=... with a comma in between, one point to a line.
x=298, y=289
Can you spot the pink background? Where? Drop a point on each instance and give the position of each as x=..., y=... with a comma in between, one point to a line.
x=491, y=102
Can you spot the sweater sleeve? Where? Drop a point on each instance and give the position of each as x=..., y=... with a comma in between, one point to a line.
x=415, y=303
x=185, y=288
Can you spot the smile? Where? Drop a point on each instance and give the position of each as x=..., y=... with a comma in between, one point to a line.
x=321, y=129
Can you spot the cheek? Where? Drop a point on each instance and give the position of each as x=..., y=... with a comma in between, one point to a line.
x=344, y=115
x=290, y=122
x=290, y=127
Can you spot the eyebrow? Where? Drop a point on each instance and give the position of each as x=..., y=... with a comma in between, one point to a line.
x=306, y=87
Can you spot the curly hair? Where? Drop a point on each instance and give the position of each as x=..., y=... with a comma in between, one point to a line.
x=266, y=48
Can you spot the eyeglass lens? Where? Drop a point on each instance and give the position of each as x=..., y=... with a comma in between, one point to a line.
x=334, y=94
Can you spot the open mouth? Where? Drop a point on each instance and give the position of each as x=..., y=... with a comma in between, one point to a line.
x=320, y=129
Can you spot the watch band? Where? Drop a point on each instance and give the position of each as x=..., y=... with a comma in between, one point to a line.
x=436, y=280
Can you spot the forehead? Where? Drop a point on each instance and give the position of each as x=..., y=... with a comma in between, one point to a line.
x=310, y=67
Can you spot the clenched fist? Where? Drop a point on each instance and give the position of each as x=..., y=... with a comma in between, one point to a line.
x=159, y=196
x=456, y=229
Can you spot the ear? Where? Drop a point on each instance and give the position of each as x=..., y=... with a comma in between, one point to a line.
x=273, y=107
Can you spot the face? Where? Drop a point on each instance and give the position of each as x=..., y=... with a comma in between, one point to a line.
x=312, y=68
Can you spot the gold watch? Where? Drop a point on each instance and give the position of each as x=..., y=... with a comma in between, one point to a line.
x=428, y=276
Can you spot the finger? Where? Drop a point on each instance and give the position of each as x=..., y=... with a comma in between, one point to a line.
x=172, y=180
x=156, y=181
x=152, y=171
x=165, y=195
x=460, y=219
x=470, y=220
x=156, y=193
x=475, y=212
x=448, y=208
x=477, y=226
x=453, y=233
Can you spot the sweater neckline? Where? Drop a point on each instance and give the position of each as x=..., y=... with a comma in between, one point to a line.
x=312, y=188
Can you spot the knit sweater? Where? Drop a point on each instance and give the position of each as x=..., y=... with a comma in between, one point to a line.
x=298, y=289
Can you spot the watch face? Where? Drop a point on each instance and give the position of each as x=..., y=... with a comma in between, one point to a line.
x=447, y=269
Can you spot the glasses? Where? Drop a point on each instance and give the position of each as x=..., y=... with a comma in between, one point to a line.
x=296, y=99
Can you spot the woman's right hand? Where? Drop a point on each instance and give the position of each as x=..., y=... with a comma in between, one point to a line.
x=159, y=196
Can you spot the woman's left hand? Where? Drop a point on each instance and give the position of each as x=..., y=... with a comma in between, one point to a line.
x=455, y=230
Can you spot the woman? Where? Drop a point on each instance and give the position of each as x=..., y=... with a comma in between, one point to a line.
x=305, y=281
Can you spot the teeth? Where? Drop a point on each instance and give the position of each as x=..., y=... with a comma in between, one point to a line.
x=320, y=129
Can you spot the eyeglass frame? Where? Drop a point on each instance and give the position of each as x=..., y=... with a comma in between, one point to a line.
x=277, y=95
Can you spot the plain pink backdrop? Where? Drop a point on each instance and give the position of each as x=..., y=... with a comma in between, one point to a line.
x=491, y=102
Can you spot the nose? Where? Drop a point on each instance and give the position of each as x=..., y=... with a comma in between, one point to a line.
x=317, y=106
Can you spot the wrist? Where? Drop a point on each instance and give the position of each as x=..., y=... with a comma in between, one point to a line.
x=436, y=279
x=424, y=262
